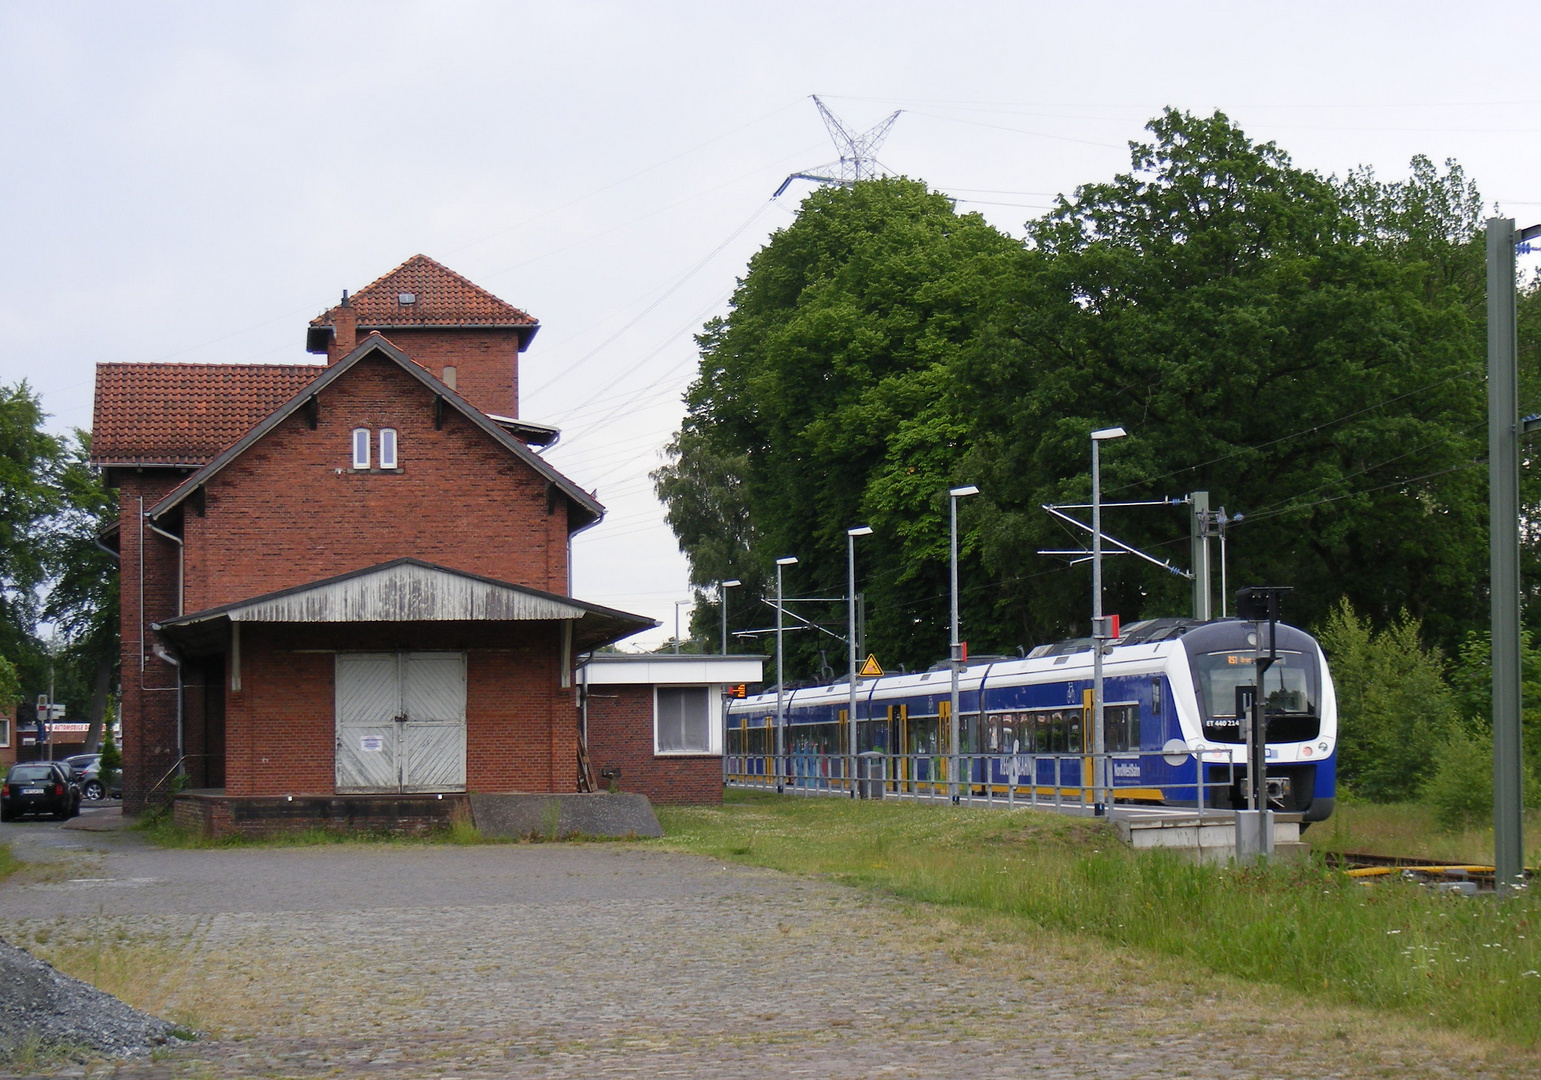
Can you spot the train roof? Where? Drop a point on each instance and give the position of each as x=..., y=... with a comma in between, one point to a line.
x=1138, y=645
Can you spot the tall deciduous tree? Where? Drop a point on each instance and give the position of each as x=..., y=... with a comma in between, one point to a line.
x=841, y=331
x=82, y=599
x=1308, y=351
x=29, y=465
x=1226, y=308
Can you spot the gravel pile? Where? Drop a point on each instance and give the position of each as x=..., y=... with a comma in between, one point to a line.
x=42, y=1007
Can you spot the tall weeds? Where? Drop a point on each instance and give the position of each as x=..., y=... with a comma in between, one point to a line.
x=1471, y=964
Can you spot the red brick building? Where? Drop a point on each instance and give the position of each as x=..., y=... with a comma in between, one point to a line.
x=349, y=577
x=654, y=722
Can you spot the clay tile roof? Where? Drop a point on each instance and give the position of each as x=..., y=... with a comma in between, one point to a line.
x=185, y=414
x=442, y=298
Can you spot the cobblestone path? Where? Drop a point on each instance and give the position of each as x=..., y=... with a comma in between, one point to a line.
x=615, y=960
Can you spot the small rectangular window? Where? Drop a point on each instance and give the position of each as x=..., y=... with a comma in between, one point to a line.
x=387, y=448
x=361, y=448
x=683, y=724
x=5, y=731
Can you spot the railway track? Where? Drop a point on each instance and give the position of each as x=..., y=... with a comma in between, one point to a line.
x=1429, y=871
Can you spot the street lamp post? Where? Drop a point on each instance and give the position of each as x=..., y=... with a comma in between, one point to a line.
x=722, y=602
x=956, y=645
x=1099, y=625
x=850, y=624
x=781, y=721
x=677, y=605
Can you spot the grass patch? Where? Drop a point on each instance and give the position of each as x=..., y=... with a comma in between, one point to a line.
x=1470, y=965
x=163, y=832
x=9, y=863
x=1410, y=830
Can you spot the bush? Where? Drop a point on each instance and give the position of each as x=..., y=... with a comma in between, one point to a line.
x=1461, y=787
x=1394, y=705
x=112, y=762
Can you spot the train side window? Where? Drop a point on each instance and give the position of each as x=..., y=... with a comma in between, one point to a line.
x=1134, y=728
x=1155, y=698
x=1115, y=737
x=1074, y=731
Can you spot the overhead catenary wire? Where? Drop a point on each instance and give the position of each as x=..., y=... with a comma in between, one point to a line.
x=670, y=291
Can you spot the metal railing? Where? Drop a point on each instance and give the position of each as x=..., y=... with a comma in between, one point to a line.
x=1028, y=779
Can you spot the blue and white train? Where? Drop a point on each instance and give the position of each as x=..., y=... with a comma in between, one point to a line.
x=1170, y=690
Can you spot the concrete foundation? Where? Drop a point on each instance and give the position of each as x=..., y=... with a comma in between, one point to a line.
x=1214, y=839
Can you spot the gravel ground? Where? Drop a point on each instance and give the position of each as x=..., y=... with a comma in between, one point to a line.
x=616, y=960
x=39, y=1007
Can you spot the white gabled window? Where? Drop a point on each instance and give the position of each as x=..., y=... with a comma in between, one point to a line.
x=682, y=720
x=361, y=448
x=388, y=448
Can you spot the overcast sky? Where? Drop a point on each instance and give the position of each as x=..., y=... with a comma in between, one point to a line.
x=194, y=182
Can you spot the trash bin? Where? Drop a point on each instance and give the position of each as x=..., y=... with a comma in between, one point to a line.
x=870, y=772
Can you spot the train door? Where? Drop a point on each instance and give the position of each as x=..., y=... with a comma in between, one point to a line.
x=1085, y=744
x=899, y=745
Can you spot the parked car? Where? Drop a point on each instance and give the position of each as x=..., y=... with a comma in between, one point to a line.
x=39, y=787
x=88, y=770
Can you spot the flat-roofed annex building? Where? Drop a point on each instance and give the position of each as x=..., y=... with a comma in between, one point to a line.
x=350, y=577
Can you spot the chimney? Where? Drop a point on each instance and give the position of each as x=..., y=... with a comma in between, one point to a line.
x=344, y=329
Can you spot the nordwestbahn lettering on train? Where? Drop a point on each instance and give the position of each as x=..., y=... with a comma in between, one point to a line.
x=1176, y=691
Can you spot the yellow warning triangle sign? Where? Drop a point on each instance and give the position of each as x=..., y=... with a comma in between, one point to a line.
x=871, y=667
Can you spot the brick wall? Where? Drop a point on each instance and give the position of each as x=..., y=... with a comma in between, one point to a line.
x=410, y=814
x=621, y=736
x=291, y=510
x=521, y=726
x=486, y=362
x=149, y=684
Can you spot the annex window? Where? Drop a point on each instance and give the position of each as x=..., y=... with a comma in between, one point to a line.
x=361, y=448
x=5, y=731
x=682, y=721
x=388, y=448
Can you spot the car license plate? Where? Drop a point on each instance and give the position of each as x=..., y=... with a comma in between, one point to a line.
x=32, y=791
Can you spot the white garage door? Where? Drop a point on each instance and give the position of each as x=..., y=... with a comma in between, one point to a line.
x=401, y=722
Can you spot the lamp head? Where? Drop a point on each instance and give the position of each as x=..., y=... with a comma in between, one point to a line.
x=789, y=560
x=860, y=530
x=731, y=583
x=960, y=492
x=1109, y=433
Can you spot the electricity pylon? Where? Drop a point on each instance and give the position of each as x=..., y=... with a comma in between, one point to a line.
x=856, y=152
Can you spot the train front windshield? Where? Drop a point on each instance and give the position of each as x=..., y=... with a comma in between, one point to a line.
x=1286, y=685
x=1291, y=686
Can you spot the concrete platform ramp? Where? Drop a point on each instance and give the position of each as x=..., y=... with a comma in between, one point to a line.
x=555, y=817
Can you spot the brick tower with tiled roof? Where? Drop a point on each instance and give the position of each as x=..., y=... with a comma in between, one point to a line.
x=398, y=468
x=453, y=327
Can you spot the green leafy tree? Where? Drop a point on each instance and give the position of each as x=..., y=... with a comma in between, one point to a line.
x=30, y=460
x=1227, y=309
x=1472, y=682
x=1395, y=709
x=1309, y=351
x=10, y=685
x=840, y=332
x=1460, y=787
x=82, y=598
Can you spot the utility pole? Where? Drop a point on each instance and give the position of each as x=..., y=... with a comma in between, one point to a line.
x=1198, y=505
x=1504, y=532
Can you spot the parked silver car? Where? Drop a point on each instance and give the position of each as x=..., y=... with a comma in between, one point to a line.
x=87, y=770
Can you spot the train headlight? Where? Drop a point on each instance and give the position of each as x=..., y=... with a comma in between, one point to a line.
x=1322, y=746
